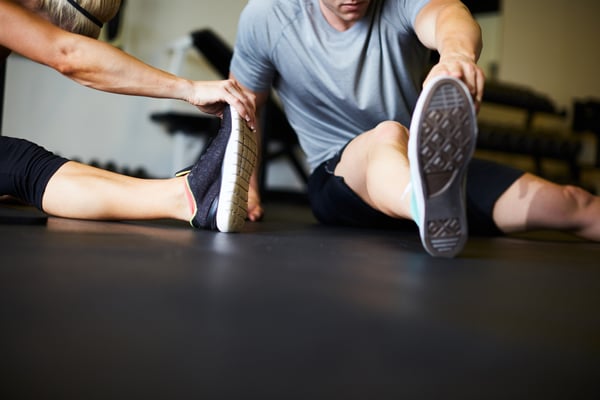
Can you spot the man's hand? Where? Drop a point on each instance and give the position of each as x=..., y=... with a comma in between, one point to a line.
x=466, y=70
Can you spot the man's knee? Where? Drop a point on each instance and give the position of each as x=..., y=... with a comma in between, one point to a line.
x=577, y=198
x=391, y=132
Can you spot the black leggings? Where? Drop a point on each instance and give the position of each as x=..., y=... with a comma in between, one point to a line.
x=334, y=203
x=25, y=169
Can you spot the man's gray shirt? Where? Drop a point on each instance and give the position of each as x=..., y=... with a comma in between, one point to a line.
x=333, y=85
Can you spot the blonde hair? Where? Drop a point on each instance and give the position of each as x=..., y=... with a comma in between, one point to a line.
x=66, y=16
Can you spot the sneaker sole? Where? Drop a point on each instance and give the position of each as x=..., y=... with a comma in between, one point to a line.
x=444, y=134
x=238, y=164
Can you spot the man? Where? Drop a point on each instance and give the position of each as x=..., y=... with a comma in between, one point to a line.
x=349, y=74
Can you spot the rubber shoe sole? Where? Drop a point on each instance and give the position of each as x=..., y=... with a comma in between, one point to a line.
x=237, y=167
x=443, y=135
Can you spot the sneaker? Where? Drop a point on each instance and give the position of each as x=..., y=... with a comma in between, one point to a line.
x=219, y=181
x=443, y=134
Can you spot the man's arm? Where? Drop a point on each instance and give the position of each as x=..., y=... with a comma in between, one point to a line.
x=448, y=27
x=104, y=67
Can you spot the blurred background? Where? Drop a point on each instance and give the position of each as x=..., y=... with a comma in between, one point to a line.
x=549, y=47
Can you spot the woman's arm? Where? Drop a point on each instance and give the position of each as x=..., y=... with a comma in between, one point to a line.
x=104, y=67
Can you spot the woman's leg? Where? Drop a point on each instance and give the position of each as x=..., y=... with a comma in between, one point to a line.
x=81, y=191
x=66, y=188
x=535, y=203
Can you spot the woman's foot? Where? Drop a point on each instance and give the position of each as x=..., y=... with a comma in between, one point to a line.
x=217, y=185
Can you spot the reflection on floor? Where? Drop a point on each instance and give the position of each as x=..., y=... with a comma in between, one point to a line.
x=290, y=309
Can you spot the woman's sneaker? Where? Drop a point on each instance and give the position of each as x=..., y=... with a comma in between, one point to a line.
x=443, y=134
x=219, y=181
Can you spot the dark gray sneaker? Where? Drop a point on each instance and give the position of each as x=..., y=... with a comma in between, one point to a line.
x=219, y=181
x=443, y=135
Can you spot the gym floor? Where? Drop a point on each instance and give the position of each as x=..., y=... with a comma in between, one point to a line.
x=289, y=309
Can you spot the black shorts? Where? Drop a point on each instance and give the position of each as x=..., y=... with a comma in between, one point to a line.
x=25, y=169
x=334, y=203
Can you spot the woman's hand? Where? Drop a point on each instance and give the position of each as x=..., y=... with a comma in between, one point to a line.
x=212, y=96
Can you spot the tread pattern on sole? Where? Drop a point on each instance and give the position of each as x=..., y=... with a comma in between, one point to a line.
x=238, y=165
x=446, y=144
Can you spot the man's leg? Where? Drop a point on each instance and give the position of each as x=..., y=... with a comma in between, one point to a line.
x=379, y=164
x=535, y=203
x=375, y=166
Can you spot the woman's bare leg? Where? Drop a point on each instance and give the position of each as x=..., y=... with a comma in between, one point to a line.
x=535, y=203
x=80, y=191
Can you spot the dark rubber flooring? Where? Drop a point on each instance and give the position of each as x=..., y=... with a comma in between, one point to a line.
x=289, y=309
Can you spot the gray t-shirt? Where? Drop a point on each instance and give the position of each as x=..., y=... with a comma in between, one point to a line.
x=333, y=85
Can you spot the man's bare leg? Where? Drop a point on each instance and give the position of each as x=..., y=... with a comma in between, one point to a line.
x=535, y=203
x=375, y=166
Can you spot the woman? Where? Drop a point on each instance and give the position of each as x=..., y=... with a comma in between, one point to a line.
x=61, y=34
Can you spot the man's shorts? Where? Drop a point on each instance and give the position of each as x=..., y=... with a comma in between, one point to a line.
x=334, y=203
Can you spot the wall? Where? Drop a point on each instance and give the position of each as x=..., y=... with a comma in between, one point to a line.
x=552, y=46
x=546, y=44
